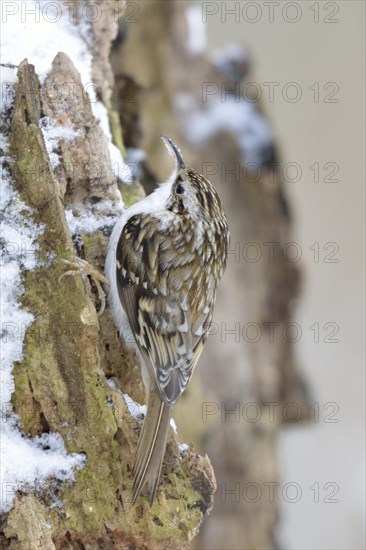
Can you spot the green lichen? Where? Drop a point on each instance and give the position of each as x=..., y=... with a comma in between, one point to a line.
x=116, y=129
x=131, y=193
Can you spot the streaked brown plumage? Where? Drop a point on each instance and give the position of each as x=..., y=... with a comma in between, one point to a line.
x=165, y=258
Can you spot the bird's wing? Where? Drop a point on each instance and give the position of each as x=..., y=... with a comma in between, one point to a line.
x=170, y=337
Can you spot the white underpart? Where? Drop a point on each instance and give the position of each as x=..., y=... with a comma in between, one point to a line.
x=154, y=203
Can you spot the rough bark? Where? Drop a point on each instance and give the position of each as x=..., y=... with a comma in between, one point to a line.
x=232, y=372
x=69, y=353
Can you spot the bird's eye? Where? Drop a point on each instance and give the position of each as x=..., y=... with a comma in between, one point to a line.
x=180, y=189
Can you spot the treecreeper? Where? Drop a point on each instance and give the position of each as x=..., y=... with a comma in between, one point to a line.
x=165, y=257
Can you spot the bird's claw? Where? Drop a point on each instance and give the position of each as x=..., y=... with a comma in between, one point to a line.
x=82, y=267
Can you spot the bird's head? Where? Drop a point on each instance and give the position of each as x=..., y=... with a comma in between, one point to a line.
x=191, y=194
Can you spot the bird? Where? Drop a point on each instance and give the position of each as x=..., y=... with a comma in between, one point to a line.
x=165, y=257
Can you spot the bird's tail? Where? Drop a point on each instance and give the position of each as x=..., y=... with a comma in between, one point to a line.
x=151, y=446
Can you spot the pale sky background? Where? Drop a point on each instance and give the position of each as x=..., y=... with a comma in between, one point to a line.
x=306, y=52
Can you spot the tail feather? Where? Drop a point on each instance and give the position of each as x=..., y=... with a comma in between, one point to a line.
x=151, y=447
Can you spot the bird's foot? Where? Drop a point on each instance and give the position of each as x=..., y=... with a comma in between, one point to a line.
x=82, y=267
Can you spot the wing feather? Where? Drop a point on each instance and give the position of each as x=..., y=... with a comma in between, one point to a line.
x=168, y=330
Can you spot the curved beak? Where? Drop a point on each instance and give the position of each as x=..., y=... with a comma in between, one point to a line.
x=174, y=152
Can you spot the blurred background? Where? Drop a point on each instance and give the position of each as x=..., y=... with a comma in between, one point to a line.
x=324, y=212
x=308, y=132
x=267, y=100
